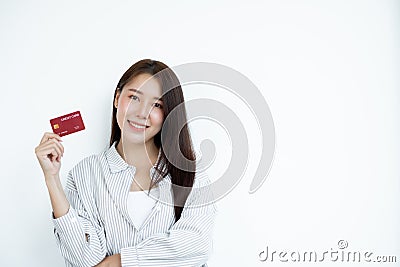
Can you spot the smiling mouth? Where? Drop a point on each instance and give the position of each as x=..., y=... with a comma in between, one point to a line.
x=138, y=126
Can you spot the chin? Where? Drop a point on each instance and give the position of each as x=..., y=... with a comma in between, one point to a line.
x=136, y=139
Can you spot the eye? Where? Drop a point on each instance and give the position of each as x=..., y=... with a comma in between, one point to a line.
x=134, y=97
x=158, y=105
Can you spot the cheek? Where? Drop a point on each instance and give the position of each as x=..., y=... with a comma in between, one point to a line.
x=122, y=108
x=157, y=117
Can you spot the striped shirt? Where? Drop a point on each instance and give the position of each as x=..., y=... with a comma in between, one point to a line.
x=98, y=224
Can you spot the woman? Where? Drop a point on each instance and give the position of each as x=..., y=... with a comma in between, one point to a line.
x=115, y=208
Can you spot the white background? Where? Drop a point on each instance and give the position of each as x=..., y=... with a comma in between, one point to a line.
x=327, y=69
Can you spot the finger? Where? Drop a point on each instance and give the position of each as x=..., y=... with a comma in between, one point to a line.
x=48, y=149
x=58, y=150
x=50, y=143
x=48, y=153
x=58, y=144
x=52, y=156
x=45, y=137
x=48, y=136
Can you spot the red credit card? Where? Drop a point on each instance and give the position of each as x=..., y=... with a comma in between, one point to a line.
x=67, y=124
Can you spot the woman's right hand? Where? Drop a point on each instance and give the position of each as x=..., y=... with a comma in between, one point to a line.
x=49, y=153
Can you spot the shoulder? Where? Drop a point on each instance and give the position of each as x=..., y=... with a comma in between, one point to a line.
x=88, y=166
x=201, y=178
x=88, y=162
x=202, y=190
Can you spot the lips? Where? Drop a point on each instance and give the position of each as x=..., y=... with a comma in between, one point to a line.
x=138, y=125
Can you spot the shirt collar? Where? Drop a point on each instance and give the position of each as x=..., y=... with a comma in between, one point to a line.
x=117, y=163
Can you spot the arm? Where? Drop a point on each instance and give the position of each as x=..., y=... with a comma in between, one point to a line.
x=58, y=199
x=79, y=237
x=187, y=243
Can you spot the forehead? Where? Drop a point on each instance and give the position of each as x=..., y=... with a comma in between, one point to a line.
x=144, y=84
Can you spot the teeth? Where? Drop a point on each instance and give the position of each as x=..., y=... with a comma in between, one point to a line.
x=137, y=126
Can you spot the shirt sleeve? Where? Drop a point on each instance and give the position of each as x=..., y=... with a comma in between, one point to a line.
x=189, y=240
x=79, y=236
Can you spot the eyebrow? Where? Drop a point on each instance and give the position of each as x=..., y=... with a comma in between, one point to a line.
x=141, y=93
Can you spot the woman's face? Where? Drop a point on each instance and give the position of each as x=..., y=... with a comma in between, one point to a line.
x=140, y=112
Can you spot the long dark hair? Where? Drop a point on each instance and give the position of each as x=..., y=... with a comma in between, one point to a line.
x=172, y=96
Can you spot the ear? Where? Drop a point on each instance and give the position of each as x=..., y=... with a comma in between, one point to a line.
x=117, y=94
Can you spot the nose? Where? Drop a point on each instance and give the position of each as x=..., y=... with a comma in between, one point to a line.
x=142, y=110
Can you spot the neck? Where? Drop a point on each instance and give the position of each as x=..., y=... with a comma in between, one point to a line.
x=138, y=155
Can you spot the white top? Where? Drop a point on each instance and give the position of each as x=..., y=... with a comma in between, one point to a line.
x=140, y=205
